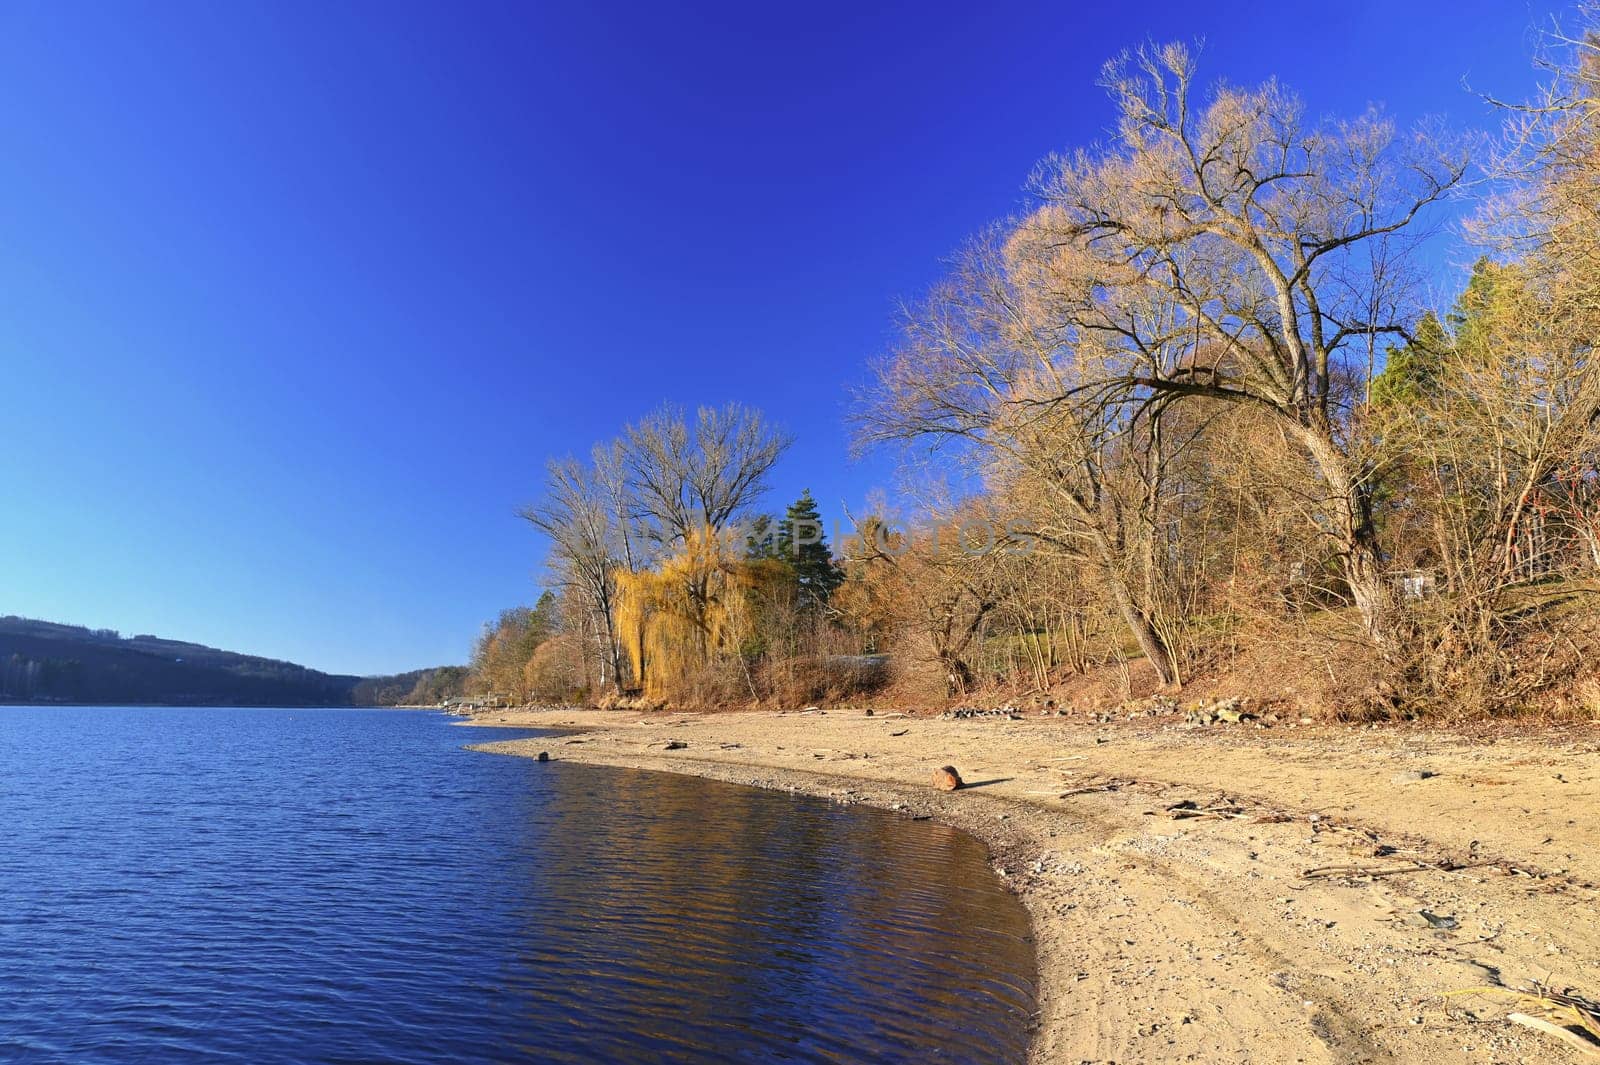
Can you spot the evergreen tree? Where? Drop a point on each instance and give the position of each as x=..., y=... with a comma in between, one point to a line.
x=545, y=619
x=1412, y=372
x=1415, y=372
x=1490, y=288
x=803, y=544
x=761, y=544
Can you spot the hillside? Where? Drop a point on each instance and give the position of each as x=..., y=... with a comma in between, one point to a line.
x=44, y=662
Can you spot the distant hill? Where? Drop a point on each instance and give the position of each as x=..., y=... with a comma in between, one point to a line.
x=420, y=687
x=43, y=662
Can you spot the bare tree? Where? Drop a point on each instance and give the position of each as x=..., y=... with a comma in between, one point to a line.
x=929, y=587
x=1548, y=160
x=666, y=482
x=688, y=484
x=1255, y=225
x=979, y=367
x=700, y=477
x=583, y=514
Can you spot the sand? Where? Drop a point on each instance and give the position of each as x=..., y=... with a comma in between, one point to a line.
x=1227, y=893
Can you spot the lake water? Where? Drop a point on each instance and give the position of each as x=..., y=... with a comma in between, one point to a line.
x=351, y=886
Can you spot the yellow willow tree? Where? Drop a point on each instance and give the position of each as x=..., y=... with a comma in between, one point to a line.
x=690, y=482
x=690, y=613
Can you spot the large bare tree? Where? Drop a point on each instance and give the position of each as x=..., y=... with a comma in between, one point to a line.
x=689, y=483
x=1257, y=226
x=980, y=368
x=693, y=477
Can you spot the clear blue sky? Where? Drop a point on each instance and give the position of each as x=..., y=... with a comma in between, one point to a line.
x=295, y=299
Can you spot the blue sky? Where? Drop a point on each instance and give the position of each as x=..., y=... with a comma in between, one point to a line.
x=296, y=299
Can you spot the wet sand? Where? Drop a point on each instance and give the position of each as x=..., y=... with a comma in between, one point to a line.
x=1229, y=893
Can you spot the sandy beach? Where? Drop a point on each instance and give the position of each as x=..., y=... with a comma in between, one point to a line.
x=1221, y=893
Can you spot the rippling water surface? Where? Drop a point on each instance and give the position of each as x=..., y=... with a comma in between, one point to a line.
x=351, y=886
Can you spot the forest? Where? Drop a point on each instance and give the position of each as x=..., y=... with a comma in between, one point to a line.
x=46, y=662
x=1206, y=415
x=42, y=661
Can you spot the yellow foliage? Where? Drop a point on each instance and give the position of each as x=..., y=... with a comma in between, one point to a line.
x=680, y=617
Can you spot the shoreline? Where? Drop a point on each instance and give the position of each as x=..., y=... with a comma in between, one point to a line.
x=1165, y=870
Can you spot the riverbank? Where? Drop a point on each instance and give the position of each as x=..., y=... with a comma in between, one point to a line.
x=1226, y=893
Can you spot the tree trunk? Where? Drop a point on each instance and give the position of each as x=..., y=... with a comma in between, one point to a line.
x=1373, y=597
x=1358, y=538
x=1144, y=631
x=957, y=675
x=1591, y=540
x=613, y=653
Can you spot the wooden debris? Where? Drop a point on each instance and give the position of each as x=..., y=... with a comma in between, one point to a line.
x=1089, y=790
x=1566, y=1035
x=1359, y=871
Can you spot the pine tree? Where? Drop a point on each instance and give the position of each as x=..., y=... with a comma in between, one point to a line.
x=1415, y=372
x=761, y=543
x=803, y=544
x=1492, y=292
x=1412, y=372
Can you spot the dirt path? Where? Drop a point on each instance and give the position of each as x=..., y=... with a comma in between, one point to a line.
x=1166, y=869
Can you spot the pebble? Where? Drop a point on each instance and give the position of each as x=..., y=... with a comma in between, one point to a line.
x=962, y=713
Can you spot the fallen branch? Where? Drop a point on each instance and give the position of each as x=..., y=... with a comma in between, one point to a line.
x=1566, y=1035
x=1111, y=786
x=1362, y=870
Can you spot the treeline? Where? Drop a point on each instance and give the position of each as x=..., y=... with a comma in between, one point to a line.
x=1204, y=419
x=42, y=661
x=669, y=587
x=418, y=687
x=46, y=662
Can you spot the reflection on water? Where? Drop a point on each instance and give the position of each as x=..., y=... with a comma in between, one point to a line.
x=274, y=885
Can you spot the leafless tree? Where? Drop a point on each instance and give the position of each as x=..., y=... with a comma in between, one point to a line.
x=929, y=587
x=981, y=369
x=690, y=482
x=583, y=512
x=689, y=478
x=1255, y=225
